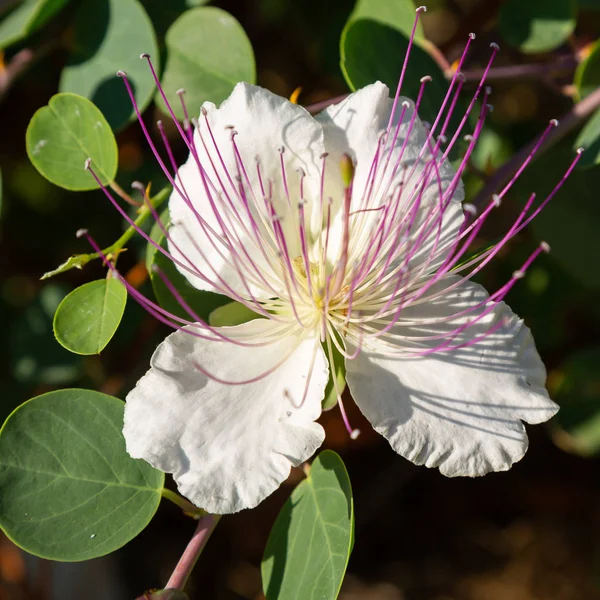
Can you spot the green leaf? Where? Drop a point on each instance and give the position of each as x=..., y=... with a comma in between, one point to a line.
x=569, y=223
x=231, y=314
x=309, y=546
x=70, y=490
x=62, y=135
x=77, y=261
x=373, y=46
x=589, y=139
x=202, y=303
x=208, y=52
x=88, y=317
x=587, y=74
x=26, y=18
x=163, y=14
x=537, y=25
x=577, y=424
x=110, y=35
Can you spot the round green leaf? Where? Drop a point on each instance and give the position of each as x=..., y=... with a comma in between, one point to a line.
x=208, y=52
x=70, y=490
x=537, y=25
x=309, y=546
x=88, y=317
x=25, y=18
x=373, y=46
x=110, y=35
x=589, y=139
x=587, y=75
x=577, y=424
x=63, y=135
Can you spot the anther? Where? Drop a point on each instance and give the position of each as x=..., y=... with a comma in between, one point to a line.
x=426, y=78
x=203, y=111
x=460, y=75
x=472, y=36
x=518, y=275
x=195, y=122
x=355, y=433
x=580, y=150
x=470, y=208
x=421, y=9
x=468, y=138
x=490, y=107
x=81, y=232
x=233, y=134
x=406, y=104
x=488, y=89
x=281, y=149
x=86, y=165
x=554, y=122
x=496, y=200
x=180, y=91
x=324, y=155
x=545, y=246
x=121, y=74
x=145, y=55
x=495, y=46
x=138, y=185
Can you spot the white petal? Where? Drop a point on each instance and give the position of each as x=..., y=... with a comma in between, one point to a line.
x=265, y=123
x=461, y=411
x=355, y=127
x=228, y=446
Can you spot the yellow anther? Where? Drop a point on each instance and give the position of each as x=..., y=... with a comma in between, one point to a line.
x=295, y=95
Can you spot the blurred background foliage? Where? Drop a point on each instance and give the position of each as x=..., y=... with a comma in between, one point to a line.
x=530, y=534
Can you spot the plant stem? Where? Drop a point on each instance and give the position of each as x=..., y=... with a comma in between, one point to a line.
x=534, y=70
x=570, y=121
x=186, y=506
x=190, y=555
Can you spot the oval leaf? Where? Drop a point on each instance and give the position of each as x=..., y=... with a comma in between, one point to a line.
x=208, y=52
x=537, y=25
x=25, y=18
x=70, y=490
x=88, y=317
x=110, y=35
x=373, y=45
x=309, y=546
x=63, y=135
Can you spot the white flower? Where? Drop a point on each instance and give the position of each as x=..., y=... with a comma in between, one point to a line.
x=345, y=230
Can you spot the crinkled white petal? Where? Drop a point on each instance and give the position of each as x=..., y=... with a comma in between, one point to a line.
x=265, y=123
x=461, y=411
x=228, y=446
x=355, y=126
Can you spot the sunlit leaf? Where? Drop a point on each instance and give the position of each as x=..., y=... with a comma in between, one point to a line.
x=309, y=546
x=26, y=18
x=62, y=135
x=88, y=317
x=208, y=52
x=373, y=46
x=70, y=491
x=537, y=25
x=108, y=36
